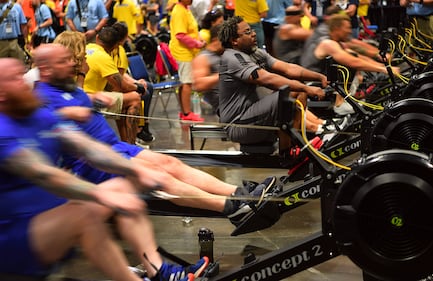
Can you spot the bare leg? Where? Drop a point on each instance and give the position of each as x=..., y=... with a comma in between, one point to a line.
x=311, y=117
x=138, y=232
x=312, y=121
x=191, y=195
x=131, y=124
x=79, y=223
x=185, y=98
x=121, y=126
x=128, y=126
x=188, y=174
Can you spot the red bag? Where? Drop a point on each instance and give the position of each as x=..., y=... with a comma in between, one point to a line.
x=164, y=56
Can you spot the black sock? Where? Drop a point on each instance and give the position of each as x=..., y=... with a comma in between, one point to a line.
x=186, y=114
x=146, y=127
x=230, y=205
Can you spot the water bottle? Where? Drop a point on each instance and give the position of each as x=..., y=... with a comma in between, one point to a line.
x=205, y=240
x=196, y=108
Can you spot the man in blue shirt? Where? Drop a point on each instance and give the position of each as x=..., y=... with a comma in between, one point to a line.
x=13, y=25
x=88, y=17
x=58, y=92
x=39, y=226
x=422, y=12
x=43, y=33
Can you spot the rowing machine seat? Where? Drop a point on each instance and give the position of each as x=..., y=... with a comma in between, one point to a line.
x=258, y=148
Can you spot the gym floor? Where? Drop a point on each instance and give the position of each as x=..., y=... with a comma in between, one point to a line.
x=294, y=225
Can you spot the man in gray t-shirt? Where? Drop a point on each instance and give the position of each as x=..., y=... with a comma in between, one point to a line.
x=243, y=69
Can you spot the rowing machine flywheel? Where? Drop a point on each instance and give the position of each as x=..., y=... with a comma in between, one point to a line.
x=383, y=215
x=406, y=124
x=420, y=86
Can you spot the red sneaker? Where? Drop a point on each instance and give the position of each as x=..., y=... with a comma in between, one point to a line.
x=191, y=117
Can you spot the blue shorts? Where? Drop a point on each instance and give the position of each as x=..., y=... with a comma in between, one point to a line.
x=16, y=254
x=96, y=176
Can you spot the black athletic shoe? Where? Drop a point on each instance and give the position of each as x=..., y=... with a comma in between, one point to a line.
x=249, y=185
x=145, y=137
x=251, y=204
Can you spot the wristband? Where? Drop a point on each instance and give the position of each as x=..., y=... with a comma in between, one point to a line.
x=81, y=74
x=140, y=88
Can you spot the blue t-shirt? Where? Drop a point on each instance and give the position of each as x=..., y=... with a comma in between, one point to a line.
x=10, y=28
x=42, y=13
x=97, y=127
x=416, y=9
x=19, y=197
x=92, y=12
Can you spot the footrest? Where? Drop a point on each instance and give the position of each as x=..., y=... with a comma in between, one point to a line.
x=266, y=215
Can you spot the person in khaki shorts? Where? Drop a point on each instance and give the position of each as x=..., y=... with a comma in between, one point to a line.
x=12, y=25
x=103, y=73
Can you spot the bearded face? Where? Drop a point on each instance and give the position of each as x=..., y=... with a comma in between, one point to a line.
x=23, y=104
x=59, y=69
x=66, y=84
x=18, y=98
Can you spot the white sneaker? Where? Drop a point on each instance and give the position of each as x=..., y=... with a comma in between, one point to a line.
x=332, y=125
x=344, y=109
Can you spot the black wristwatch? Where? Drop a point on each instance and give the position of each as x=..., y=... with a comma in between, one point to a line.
x=140, y=88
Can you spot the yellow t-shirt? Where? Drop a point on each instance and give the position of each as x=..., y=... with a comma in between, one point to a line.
x=249, y=10
x=129, y=13
x=50, y=4
x=305, y=22
x=363, y=10
x=205, y=35
x=169, y=3
x=101, y=65
x=182, y=21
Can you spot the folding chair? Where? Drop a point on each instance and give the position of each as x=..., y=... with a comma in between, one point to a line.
x=367, y=31
x=138, y=70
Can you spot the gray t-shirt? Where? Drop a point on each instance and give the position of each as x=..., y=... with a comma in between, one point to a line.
x=212, y=95
x=236, y=93
x=308, y=59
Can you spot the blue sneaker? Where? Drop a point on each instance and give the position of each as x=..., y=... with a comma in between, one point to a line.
x=171, y=272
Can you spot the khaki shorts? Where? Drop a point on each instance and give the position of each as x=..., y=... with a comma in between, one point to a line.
x=11, y=49
x=117, y=105
x=185, y=72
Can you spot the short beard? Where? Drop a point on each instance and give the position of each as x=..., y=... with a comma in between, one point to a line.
x=250, y=51
x=24, y=105
x=67, y=85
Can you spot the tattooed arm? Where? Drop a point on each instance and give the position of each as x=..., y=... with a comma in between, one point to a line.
x=99, y=155
x=118, y=84
x=34, y=167
x=102, y=157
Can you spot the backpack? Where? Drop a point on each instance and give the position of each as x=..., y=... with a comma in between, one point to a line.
x=165, y=62
x=56, y=23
